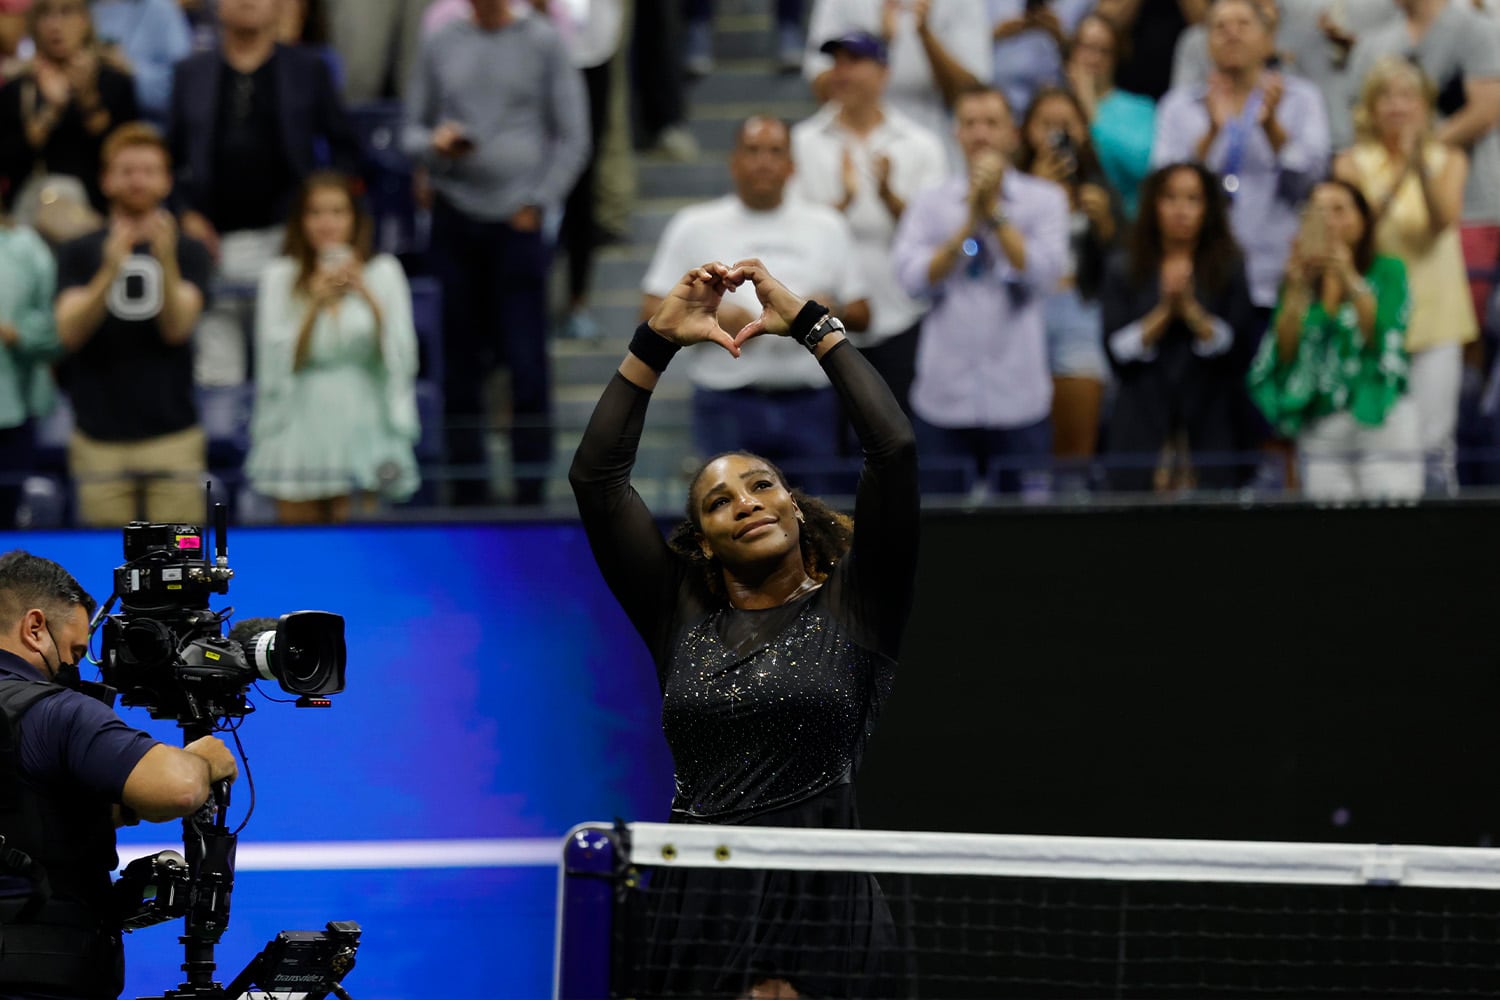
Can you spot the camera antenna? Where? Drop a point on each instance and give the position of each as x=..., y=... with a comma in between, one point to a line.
x=221, y=536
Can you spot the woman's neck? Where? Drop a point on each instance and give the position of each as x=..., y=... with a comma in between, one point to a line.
x=1177, y=248
x=787, y=581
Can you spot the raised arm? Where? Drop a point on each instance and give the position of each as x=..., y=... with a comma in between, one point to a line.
x=632, y=555
x=887, y=504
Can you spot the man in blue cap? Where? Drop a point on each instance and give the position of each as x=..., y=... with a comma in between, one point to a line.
x=867, y=160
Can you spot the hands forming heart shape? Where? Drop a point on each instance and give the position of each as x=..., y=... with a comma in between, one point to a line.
x=690, y=312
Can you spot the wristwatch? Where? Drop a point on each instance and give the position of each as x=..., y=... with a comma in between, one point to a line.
x=822, y=328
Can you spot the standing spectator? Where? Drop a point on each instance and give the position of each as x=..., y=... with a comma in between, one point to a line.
x=128, y=298
x=378, y=42
x=1262, y=131
x=1416, y=184
x=593, y=42
x=1150, y=29
x=869, y=161
x=1121, y=124
x=659, y=80
x=335, y=356
x=699, y=22
x=1030, y=40
x=1313, y=38
x=1333, y=372
x=250, y=120
x=28, y=343
x=774, y=399
x=986, y=248
x=1459, y=50
x=146, y=38
x=937, y=51
x=497, y=113
x=1055, y=147
x=54, y=116
x=1174, y=306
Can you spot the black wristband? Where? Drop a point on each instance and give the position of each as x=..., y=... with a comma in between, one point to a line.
x=654, y=350
x=806, y=320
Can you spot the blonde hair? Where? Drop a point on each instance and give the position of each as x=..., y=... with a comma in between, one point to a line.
x=1387, y=70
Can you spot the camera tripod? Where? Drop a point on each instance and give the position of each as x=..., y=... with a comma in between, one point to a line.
x=302, y=962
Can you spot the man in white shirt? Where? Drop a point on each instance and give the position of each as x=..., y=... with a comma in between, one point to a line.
x=868, y=160
x=774, y=400
x=938, y=50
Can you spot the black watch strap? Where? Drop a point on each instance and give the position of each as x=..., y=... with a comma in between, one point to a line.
x=808, y=318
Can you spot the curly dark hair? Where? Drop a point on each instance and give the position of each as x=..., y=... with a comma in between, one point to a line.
x=825, y=536
x=1216, y=256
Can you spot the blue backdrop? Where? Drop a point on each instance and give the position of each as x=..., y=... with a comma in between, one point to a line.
x=495, y=690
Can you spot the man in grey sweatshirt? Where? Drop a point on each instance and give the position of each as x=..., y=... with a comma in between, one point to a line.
x=498, y=115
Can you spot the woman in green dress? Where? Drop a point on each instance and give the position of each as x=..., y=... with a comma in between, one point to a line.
x=335, y=358
x=1333, y=373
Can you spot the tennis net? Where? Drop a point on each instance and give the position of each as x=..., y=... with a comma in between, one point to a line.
x=656, y=910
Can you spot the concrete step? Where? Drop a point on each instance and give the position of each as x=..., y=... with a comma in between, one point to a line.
x=717, y=126
x=708, y=178
x=735, y=81
x=621, y=268
x=670, y=405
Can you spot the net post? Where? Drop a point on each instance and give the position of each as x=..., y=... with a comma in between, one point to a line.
x=592, y=857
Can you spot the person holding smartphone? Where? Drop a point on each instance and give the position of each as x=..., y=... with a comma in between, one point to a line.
x=1055, y=146
x=335, y=355
x=498, y=115
x=1334, y=372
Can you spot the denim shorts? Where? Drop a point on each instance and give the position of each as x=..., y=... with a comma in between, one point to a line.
x=1075, y=337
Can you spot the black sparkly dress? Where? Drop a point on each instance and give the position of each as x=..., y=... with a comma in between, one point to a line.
x=766, y=712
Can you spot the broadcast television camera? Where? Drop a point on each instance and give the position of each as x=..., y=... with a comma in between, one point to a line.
x=165, y=651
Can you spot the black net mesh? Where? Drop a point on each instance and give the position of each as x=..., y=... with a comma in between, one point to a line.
x=702, y=933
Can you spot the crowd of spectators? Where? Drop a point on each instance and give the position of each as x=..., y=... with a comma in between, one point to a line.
x=1091, y=244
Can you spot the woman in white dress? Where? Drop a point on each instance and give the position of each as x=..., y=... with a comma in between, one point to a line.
x=335, y=357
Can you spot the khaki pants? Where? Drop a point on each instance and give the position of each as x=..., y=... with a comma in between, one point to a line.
x=158, y=479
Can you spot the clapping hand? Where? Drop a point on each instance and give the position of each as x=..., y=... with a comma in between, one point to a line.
x=1273, y=86
x=1177, y=283
x=160, y=230
x=1219, y=100
x=882, y=165
x=849, y=173
x=985, y=176
x=1045, y=20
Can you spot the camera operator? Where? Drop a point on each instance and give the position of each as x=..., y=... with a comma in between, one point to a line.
x=70, y=772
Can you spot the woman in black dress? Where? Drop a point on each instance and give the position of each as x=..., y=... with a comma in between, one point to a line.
x=1179, y=330
x=774, y=627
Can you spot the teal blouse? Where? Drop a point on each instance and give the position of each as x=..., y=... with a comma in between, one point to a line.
x=1335, y=367
x=28, y=281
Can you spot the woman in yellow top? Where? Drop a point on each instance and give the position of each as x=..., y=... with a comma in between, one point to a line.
x=1416, y=186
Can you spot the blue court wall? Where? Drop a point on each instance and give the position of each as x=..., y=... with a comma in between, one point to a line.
x=495, y=691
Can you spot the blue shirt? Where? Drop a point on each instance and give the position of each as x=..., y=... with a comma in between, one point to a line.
x=982, y=356
x=72, y=744
x=154, y=35
x=1025, y=63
